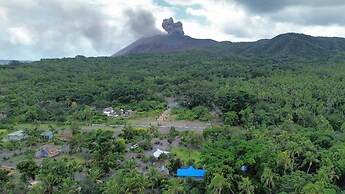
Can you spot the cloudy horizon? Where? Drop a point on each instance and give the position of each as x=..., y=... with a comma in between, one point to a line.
x=35, y=29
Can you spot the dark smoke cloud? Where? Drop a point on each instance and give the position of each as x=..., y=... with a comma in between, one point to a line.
x=171, y=27
x=141, y=22
x=59, y=28
x=267, y=6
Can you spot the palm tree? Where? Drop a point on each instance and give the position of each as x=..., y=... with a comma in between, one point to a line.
x=177, y=186
x=133, y=182
x=153, y=177
x=326, y=175
x=48, y=183
x=246, y=186
x=218, y=184
x=310, y=158
x=94, y=174
x=313, y=188
x=294, y=149
x=268, y=178
x=112, y=187
x=285, y=160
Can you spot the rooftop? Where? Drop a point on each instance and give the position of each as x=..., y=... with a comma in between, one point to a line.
x=17, y=133
x=190, y=172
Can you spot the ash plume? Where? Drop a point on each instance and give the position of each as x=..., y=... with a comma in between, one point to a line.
x=172, y=28
x=141, y=22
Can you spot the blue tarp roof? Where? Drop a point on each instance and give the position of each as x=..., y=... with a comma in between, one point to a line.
x=190, y=172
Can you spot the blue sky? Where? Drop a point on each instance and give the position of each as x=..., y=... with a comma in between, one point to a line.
x=35, y=29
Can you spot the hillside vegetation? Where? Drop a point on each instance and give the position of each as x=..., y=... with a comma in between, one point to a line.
x=283, y=115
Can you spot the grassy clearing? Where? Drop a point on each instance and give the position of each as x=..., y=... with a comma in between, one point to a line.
x=63, y=127
x=3, y=133
x=186, y=154
x=75, y=157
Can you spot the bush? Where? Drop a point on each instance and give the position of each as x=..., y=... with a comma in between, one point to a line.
x=144, y=159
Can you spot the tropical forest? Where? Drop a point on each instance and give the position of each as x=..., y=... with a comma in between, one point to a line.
x=236, y=121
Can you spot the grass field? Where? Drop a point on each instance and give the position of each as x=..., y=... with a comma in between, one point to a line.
x=186, y=154
x=3, y=133
x=59, y=127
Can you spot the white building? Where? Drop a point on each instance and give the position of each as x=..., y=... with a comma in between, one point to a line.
x=158, y=152
x=110, y=112
x=16, y=136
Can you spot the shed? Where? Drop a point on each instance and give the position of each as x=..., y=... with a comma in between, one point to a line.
x=191, y=172
x=16, y=136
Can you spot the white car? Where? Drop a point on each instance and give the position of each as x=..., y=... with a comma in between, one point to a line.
x=134, y=146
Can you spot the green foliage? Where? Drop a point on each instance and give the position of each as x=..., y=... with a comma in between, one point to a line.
x=288, y=111
x=28, y=170
x=197, y=113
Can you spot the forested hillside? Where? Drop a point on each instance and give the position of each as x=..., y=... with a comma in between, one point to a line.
x=282, y=118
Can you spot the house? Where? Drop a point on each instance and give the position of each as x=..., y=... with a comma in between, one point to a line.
x=109, y=111
x=191, y=172
x=47, y=135
x=158, y=152
x=66, y=136
x=16, y=136
x=47, y=152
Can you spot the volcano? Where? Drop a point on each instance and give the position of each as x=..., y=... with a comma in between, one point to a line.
x=165, y=43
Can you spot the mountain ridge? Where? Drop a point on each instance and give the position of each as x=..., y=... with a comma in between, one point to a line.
x=295, y=44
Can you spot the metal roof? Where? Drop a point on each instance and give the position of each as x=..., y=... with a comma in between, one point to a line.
x=190, y=172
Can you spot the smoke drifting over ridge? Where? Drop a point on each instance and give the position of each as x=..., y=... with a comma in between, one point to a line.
x=141, y=22
x=172, y=28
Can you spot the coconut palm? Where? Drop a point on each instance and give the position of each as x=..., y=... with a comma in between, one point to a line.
x=268, y=178
x=246, y=186
x=218, y=184
x=285, y=160
x=310, y=159
x=153, y=177
x=48, y=183
x=177, y=186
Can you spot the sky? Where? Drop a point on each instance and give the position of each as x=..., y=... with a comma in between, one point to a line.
x=35, y=29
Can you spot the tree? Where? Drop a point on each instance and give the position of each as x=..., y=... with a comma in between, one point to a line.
x=176, y=186
x=28, y=169
x=173, y=165
x=317, y=188
x=218, y=185
x=112, y=186
x=196, y=139
x=310, y=158
x=230, y=118
x=4, y=178
x=94, y=174
x=285, y=160
x=76, y=141
x=55, y=172
x=153, y=177
x=246, y=186
x=268, y=179
x=68, y=186
x=48, y=183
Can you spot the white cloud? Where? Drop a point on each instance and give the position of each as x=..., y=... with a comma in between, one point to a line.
x=35, y=29
x=20, y=35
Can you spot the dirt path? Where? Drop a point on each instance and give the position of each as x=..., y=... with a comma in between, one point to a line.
x=171, y=104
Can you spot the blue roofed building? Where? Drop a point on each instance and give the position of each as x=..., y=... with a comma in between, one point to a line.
x=47, y=135
x=191, y=172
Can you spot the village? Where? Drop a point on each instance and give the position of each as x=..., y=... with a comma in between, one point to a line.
x=153, y=143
